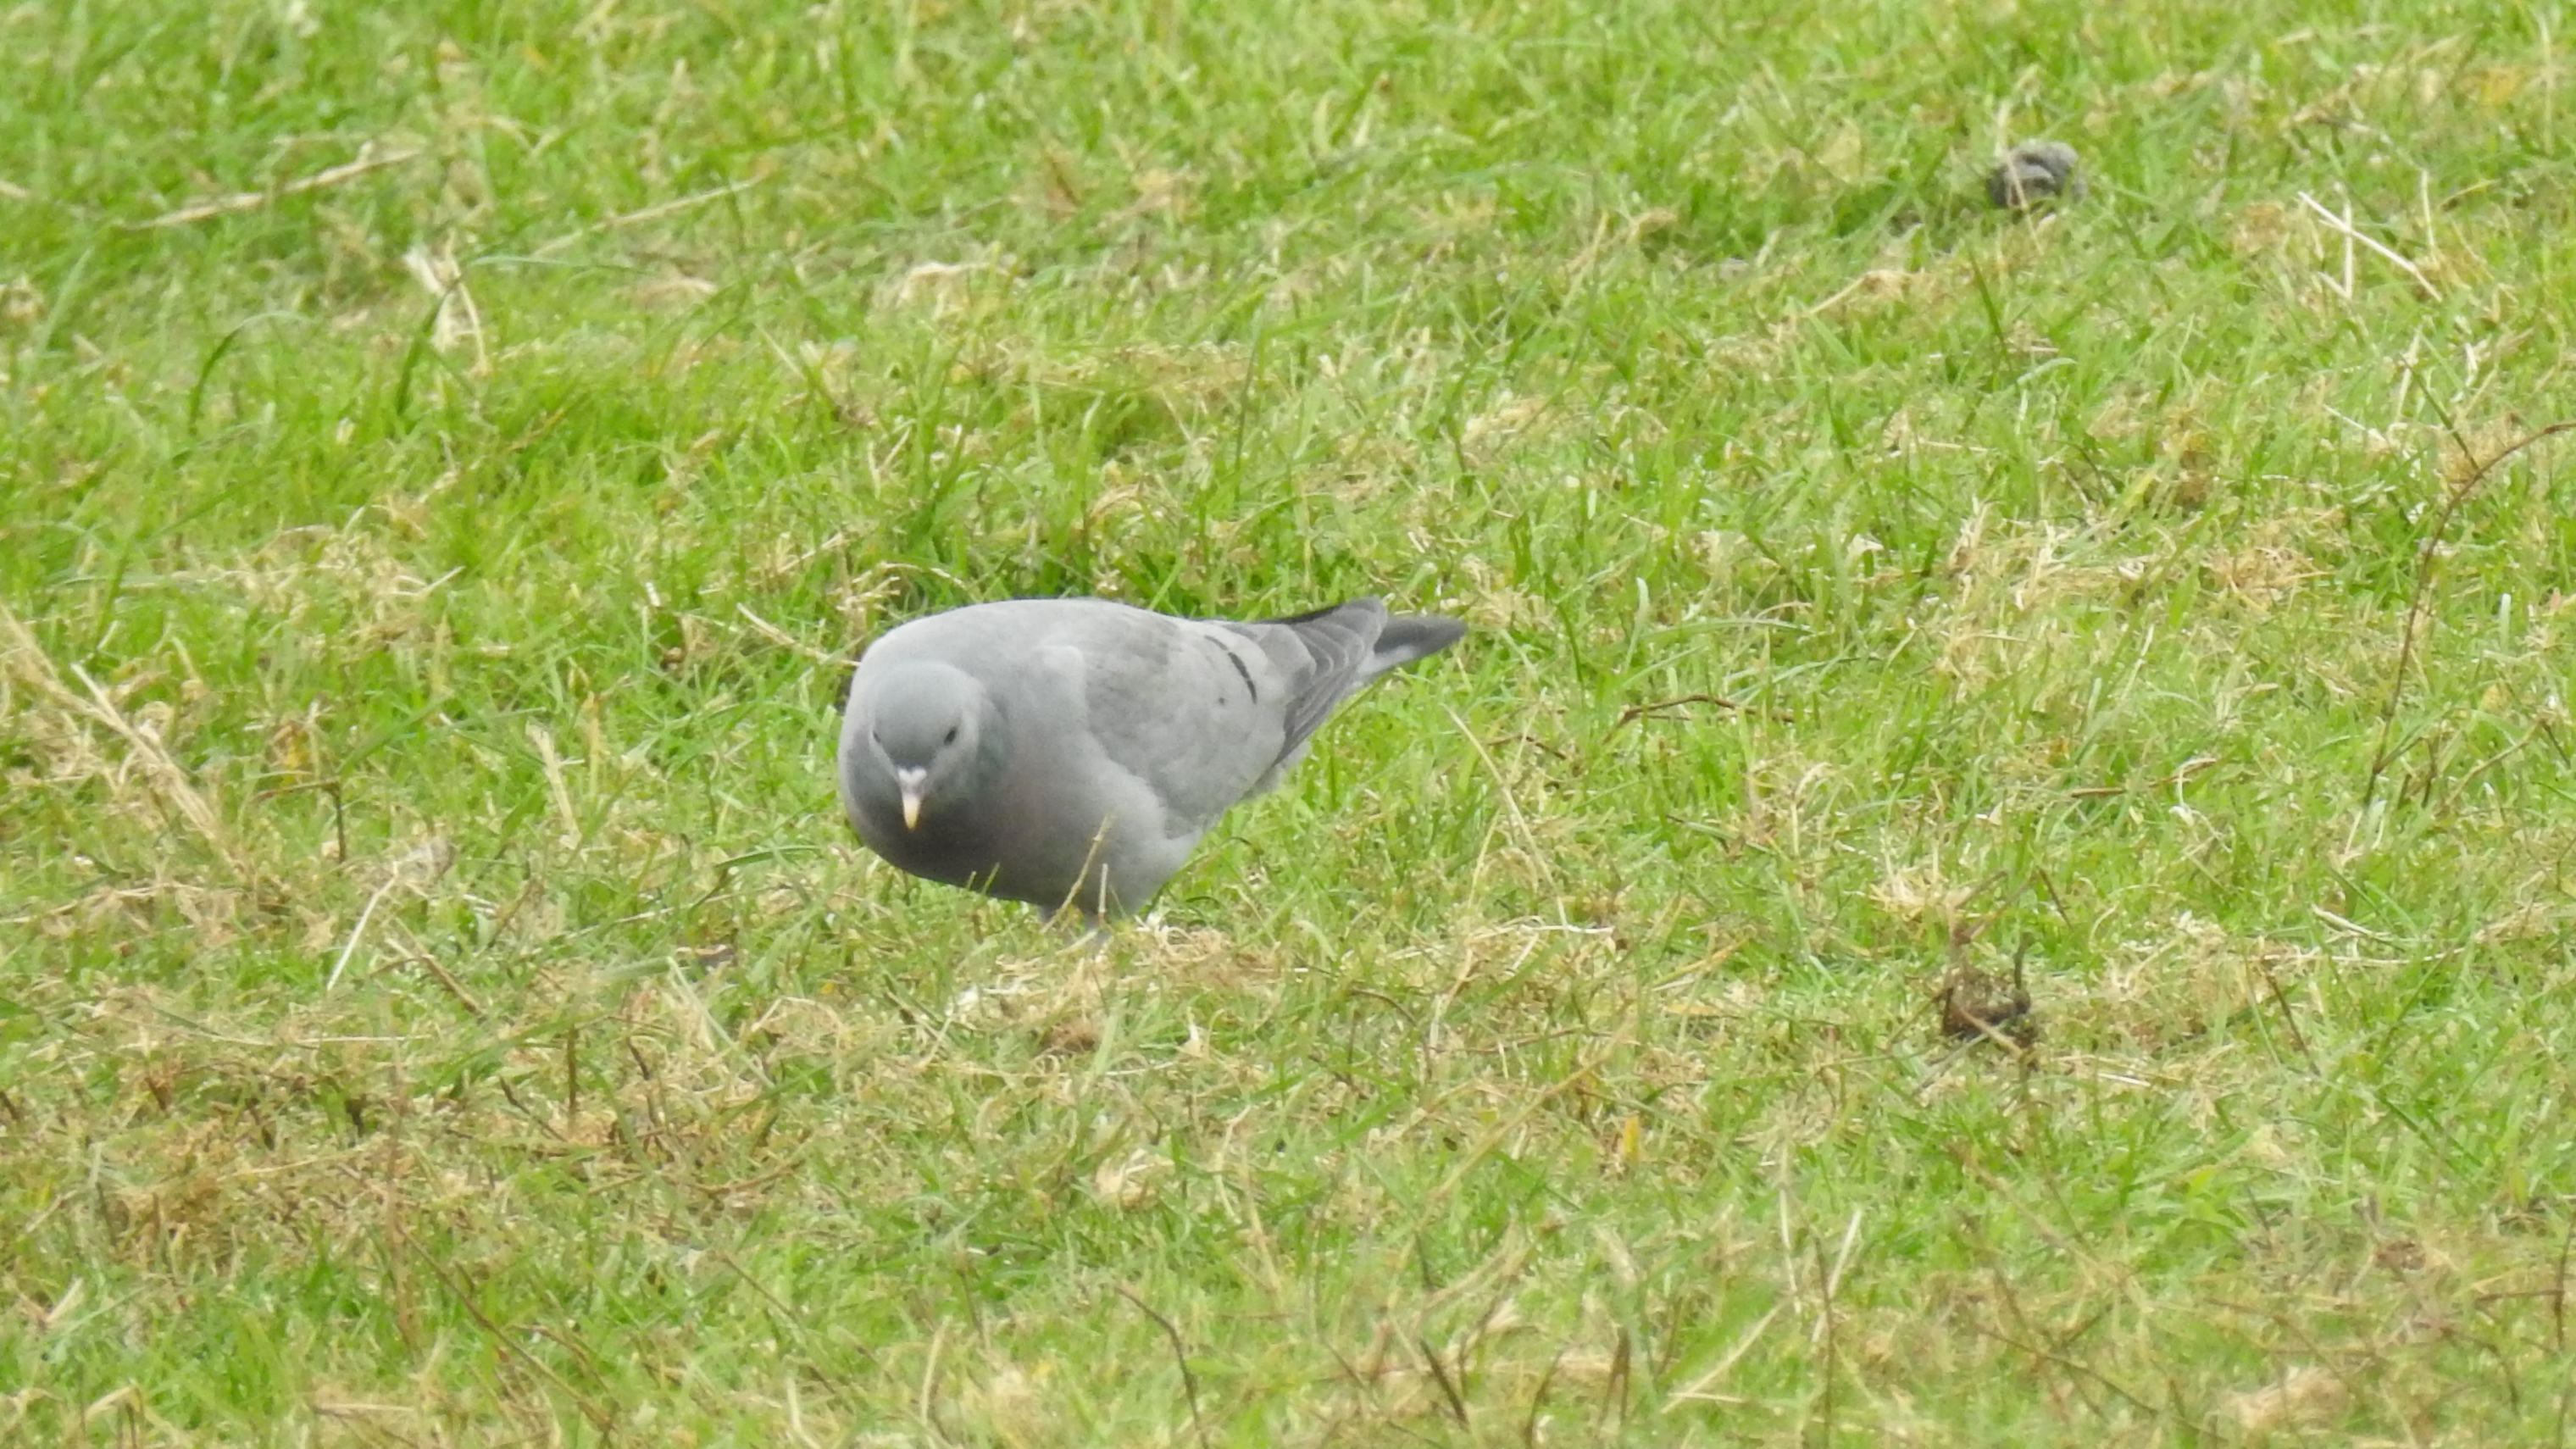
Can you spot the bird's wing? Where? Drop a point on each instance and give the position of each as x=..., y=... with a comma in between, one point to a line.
x=1187, y=709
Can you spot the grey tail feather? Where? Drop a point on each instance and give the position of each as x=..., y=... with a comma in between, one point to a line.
x=1408, y=637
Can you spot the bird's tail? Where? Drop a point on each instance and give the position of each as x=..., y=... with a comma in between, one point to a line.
x=1408, y=637
x=1337, y=634
x=1342, y=649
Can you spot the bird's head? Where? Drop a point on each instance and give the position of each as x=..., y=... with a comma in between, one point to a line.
x=927, y=724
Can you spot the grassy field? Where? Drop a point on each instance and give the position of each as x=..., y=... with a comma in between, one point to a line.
x=447, y=450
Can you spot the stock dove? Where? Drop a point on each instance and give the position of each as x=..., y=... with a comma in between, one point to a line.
x=1070, y=752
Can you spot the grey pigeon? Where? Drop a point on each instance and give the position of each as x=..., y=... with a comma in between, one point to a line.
x=2033, y=172
x=1070, y=752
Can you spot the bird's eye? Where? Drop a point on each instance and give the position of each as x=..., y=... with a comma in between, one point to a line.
x=951, y=737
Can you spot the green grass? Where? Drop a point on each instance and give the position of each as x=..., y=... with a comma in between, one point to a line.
x=440, y=1004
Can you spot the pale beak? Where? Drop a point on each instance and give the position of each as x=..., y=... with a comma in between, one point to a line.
x=911, y=783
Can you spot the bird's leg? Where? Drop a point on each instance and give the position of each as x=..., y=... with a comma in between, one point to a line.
x=1081, y=928
x=1098, y=908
